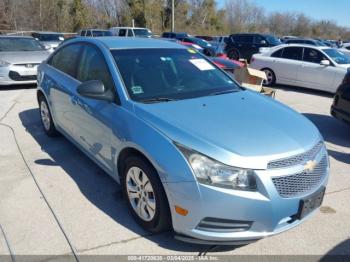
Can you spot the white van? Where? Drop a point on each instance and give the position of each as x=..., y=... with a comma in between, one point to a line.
x=131, y=31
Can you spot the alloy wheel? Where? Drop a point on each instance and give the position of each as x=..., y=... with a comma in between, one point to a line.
x=269, y=77
x=45, y=115
x=140, y=193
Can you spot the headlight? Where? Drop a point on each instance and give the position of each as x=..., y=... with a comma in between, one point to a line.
x=214, y=173
x=4, y=63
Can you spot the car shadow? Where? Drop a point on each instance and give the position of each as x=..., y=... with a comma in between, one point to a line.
x=17, y=87
x=308, y=91
x=335, y=132
x=332, y=129
x=340, y=252
x=97, y=186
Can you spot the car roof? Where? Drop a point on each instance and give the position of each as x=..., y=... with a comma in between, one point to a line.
x=48, y=33
x=302, y=45
x=128, y=27
x=130, y=43
x=16, y=36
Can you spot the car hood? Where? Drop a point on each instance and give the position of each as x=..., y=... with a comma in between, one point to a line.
x=346, y=66
x=23, y=57
x=241, y=129
x=53, y=44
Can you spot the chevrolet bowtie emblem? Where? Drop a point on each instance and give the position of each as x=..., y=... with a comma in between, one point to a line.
x=310, y=165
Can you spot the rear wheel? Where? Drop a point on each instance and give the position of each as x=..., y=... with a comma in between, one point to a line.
x=270, y=77
x=46, y=118
x=145, y=195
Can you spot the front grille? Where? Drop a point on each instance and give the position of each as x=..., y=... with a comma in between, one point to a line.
x=29, y=65
x=17, y=77
x=297, y=159
x=302, y=183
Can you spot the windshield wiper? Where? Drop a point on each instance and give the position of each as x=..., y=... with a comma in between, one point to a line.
x=158, y=99
x=223, y=92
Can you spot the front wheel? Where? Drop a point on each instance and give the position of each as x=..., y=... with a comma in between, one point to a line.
x=270, y=77
x=145, y=195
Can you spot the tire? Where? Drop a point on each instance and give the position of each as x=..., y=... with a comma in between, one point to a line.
x=271, y=77
x=46, y=118
x=233, y=54
x=145, y=195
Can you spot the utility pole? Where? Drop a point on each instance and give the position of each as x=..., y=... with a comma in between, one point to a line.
x=172, y=15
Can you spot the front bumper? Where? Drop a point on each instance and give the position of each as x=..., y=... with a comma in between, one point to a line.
x=267, y=211
x=18, y=75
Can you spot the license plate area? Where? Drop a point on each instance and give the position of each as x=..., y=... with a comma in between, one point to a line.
x=310, y=203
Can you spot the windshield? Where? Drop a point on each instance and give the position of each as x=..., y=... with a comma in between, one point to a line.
x=171, y=74
x=337, y=56
x=201, y=42
x=50, y=37
x=273, y=40
x=142, y=32
x=19, y=44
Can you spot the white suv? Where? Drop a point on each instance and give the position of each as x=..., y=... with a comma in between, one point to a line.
x=131, y=31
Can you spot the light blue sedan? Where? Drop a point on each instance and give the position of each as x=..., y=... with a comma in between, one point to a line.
x=192, y=150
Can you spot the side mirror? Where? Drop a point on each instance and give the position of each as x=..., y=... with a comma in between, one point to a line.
x=95, y=89
x=325, y=62
x=263, y=42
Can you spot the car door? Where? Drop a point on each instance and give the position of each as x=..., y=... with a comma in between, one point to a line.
x=61, y=84
x=288, y=65
x=313, y=74
x=94, y=118
x=245, y=46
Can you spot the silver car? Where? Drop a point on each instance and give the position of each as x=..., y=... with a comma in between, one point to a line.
x=19, y=59
x=50, y=40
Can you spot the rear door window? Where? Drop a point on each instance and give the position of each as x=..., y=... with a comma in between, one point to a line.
x=293, y=53
x=130, y=34
x=122, y=32
x=278, y=53
x=66, y=59
x=88, y=33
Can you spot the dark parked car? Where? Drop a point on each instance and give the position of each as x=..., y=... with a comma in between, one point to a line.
x=245, y=45
x=341, y=103
x=313, y=42
x=174, y=35
x=209, y=49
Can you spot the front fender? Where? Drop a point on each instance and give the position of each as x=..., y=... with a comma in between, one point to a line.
x=169, y=162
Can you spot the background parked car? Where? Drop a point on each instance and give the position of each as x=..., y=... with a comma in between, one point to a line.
x=245, y=45
x=19, y=59
x=175, y=35
x=341, y=103
x=49, y=39
x=131, y=31
x=304, y=41
x=208, y=48
x=95, y=32
x=321, y=68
